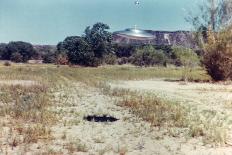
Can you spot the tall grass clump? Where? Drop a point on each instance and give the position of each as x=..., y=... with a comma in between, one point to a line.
x=212, y=128
x=152, y=109
x=28, y=103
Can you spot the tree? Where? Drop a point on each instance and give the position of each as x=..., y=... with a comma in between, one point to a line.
x=25, y=49
x=213, y=14
x=3, y=52
x=78, y=51
x=213, y=33
x=90, y=49
x=218, y=55
x=99, y=39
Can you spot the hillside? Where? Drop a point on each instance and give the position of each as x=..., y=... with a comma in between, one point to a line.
x=178, y=38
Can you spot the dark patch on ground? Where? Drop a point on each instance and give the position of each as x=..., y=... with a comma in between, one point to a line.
x=104, y=118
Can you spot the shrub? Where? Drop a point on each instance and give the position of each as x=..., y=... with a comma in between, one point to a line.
x=124, y=50
x=218, y=55
x=49, y=58
x=123, y=60
x=16, y=57
x=7, y=63
x=27, y=103
x=148, y=56
x=62, y=59
x=110, y=59
x=185, y=57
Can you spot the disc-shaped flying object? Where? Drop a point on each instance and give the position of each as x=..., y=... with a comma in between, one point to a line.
x=137, y=2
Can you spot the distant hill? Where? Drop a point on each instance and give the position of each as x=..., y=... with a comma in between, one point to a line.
x=173, y=38
x=43, y=49
x=178, y=38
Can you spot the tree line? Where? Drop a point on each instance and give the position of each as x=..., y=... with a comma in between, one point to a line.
x=94, y=48
x=213, y=34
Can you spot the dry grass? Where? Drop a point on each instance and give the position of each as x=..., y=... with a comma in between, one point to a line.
x=27, y=103
x=150, y=108
x=154, y=110
x=26, y=107
x=53, y=75
x=30, y=107
x=76, y=146
x=211, y=127
x=27, y=110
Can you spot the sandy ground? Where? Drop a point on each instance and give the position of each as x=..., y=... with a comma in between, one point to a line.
x=130, y=135
x=18, y=82
x=203, y=96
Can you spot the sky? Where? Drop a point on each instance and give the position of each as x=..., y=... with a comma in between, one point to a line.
x=50, y=21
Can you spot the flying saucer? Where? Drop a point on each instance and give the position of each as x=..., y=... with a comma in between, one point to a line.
x=134, y=33
x=137, y=2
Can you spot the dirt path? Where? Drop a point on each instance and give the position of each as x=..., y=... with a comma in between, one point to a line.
x=129, y=134
x=19, y=82
x=203, y=95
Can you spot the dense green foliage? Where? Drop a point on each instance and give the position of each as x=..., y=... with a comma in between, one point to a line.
x=3, y=51
x=19, y=51
x=148, y=56
x=95, y=47
x=110, y=59
x=77, y=50
x=99, y=39
x=124, y=50
x=91, y=48
x=46, y=53
x=16, y=57
x=185, y=57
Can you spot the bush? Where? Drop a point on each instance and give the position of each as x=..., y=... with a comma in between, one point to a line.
x=16, y=57
x=124, y=50
x=7, y=63
x=148, y=56
x=62, y=59
x=218, y=55
x=123, y=60
x=185, y=57
x=110, y=59
x=49, y=58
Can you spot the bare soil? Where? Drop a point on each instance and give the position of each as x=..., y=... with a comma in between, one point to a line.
x=129, y=134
